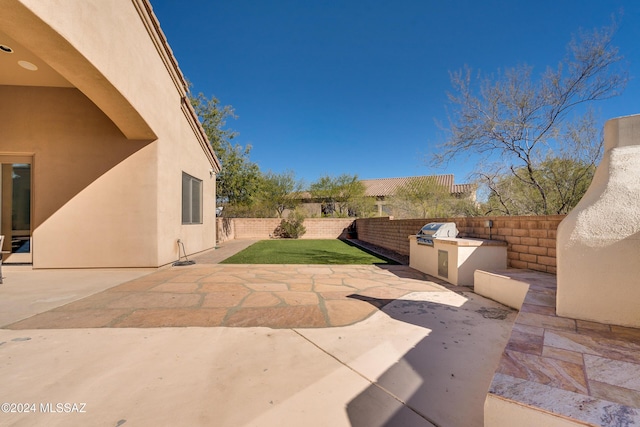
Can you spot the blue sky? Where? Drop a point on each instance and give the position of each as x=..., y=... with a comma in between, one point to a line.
x=328, y=87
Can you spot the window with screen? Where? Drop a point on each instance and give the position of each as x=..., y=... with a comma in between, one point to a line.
x=191, y=200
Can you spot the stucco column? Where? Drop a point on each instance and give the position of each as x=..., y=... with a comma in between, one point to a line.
x=598, y=243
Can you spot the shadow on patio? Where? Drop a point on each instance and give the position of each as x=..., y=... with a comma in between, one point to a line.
x=444, y=378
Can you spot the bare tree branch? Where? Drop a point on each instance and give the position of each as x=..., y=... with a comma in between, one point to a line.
x=524, y=119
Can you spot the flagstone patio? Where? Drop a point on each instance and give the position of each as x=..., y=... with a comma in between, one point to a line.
x=276, y=296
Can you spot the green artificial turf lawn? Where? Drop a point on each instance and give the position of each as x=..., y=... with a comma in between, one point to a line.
x=304, y=252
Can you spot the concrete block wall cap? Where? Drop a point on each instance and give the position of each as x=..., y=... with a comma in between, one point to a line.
x=624, y=117
x=621, y=132
x=469, y=241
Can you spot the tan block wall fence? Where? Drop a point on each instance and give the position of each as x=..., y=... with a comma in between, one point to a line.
x=262, y=228
x=531, y=240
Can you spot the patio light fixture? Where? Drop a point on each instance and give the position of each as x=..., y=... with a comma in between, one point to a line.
x=28, y=65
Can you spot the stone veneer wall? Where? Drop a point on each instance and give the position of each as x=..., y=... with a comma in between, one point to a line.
x=531, y=239
x=262, y=228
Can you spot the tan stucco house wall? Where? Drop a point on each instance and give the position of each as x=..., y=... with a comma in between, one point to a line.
x=106, y=126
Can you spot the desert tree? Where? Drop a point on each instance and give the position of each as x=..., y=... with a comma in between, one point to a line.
x=420, y=197
x=341, y=196
x=280, y=192
x=564, y=181
x=426, y=197
x=527, y=120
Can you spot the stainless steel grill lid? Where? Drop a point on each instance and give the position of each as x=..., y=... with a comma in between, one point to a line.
x=434, y=230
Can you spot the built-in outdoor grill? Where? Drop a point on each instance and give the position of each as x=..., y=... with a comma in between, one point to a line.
x=434, y=230
x=438, y=251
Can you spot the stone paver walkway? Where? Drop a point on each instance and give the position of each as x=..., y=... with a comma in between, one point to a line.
x=276, y=296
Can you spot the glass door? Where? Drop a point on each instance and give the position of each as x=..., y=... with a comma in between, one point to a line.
x=16, y=199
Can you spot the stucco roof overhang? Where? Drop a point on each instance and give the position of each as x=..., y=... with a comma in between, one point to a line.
x=145, y=10
x=12, y=74
x=62, y=63
x=150, y=21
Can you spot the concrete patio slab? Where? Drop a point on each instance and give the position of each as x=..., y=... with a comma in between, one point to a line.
x=431, y=349
x=26, y=292
x=405, y=351
x=186, y=376
x=396, y=368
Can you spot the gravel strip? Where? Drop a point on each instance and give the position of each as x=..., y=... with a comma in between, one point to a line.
x=379, y=250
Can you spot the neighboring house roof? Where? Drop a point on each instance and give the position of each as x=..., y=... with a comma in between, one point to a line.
x=383, y=187
x=463, y=188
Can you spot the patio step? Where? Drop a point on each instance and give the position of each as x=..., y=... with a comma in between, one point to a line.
x=501, y=286
x=557, y=371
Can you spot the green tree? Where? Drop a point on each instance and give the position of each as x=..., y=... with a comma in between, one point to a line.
x=564, y=182
x=280, y=192
x=238, y=181
x=340, y=196
x=213, y=117
x=351, y=194
x=525, y=121
x=324, y=190
x=425, y=197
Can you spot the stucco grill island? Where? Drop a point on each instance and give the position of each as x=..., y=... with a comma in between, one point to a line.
x=437, y=251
